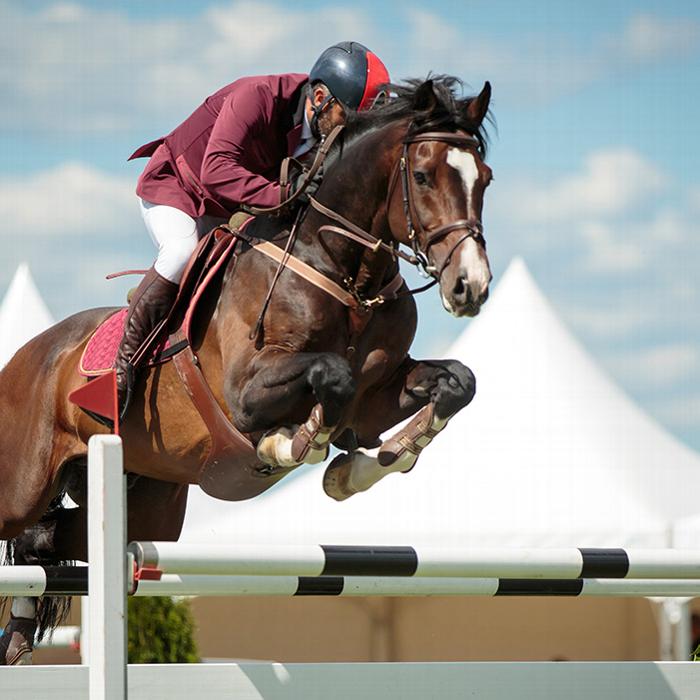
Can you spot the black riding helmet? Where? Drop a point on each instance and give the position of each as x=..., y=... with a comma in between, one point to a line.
x=352, y=74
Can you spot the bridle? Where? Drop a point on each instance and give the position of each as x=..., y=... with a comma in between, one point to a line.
x=414, y=227
x=432, y=236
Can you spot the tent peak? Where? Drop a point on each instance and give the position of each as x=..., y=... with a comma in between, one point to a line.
x=23, y=313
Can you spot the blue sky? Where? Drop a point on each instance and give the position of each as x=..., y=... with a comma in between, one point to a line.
x=596, y=155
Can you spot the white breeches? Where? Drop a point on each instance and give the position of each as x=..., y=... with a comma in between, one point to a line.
x=176, y=235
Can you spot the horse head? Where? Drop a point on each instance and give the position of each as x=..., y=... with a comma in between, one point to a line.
x=436, y=193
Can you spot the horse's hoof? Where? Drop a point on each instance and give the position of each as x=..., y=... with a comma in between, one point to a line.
x=336, y=479
x=353, y=473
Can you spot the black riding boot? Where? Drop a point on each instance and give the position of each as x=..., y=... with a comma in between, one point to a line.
x=149, y=304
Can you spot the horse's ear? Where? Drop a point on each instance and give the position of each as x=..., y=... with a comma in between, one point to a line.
x=425, y=99
x=479, y=105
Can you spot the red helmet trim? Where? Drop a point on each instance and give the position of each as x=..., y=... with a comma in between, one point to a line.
x=377, y=75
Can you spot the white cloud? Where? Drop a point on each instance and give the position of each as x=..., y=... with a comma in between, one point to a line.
x=70, y=199
x=649, y=37
x=607, y=251
x=63, y=12
x=527, y=67
x=610, y=182
x=657, y=367
x=661, y=243
x=619, y=212
x=70, y=67
x=609, y=322
x=104, y=71
x=535, y=67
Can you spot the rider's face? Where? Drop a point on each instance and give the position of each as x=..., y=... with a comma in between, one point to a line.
x=336, y=114
x=332, y=115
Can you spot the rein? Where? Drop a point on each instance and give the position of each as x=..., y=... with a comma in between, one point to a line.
x=308, y=176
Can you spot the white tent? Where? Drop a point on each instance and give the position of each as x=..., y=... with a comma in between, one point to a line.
x=550, y=453
x=686, y=532
x=23, y=314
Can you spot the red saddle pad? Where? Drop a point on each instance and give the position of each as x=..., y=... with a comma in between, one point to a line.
x=101, y=350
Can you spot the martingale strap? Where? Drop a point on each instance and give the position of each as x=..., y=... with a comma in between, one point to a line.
x=307, y=272
x=321, y=281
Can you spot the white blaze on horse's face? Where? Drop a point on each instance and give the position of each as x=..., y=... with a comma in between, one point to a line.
x=474, y=267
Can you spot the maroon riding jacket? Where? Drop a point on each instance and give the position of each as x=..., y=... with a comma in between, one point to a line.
x=229, y=150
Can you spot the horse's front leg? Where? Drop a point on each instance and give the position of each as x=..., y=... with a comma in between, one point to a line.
x=281, y=389
x=433, y=390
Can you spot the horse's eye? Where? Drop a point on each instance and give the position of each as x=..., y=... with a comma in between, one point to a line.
x=420, y=177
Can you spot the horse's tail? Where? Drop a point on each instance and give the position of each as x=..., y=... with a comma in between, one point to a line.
x=51, y=611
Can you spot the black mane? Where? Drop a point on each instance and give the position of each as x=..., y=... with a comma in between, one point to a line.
x=449, y=113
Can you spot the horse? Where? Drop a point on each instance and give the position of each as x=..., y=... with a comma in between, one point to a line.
x=308, y=373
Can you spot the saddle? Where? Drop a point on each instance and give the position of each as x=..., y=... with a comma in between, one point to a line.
x=200, y=285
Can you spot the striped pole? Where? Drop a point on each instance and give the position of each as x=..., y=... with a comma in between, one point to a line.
x=37, y=580
x=334, y=560
x=222, y=585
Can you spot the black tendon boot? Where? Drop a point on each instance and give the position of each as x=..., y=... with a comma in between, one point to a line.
x=149, y=304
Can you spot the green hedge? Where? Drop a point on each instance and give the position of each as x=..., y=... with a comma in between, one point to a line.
x=161, y=631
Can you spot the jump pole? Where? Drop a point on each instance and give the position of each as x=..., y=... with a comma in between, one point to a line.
x=416, y=562
x=107, y=678
x=37, y=581
x=365, y=586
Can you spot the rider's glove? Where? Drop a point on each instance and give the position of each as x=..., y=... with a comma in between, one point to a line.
x=310, y=189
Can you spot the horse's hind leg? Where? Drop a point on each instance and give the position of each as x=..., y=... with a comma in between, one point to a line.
x=432, y=390
x=27, y=493
x=156, y=510
x=313, y=388
x=55, y=539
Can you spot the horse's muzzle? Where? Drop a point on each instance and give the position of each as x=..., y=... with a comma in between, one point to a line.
x=466, y=296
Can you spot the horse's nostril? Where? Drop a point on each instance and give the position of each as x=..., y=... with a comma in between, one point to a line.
x=462, y=292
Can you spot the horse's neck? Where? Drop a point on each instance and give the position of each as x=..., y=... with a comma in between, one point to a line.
x=356, y=188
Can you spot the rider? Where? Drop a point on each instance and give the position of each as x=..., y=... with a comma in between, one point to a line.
x=226, y=154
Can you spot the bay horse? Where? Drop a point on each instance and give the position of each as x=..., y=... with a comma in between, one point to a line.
x=319, y=372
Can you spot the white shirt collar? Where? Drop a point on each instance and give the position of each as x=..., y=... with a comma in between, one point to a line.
x=307, y=139
x=306, y=127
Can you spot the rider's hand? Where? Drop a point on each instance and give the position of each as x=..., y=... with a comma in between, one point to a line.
x=309, y=190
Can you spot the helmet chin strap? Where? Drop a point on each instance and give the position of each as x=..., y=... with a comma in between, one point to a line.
x=327, y=101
